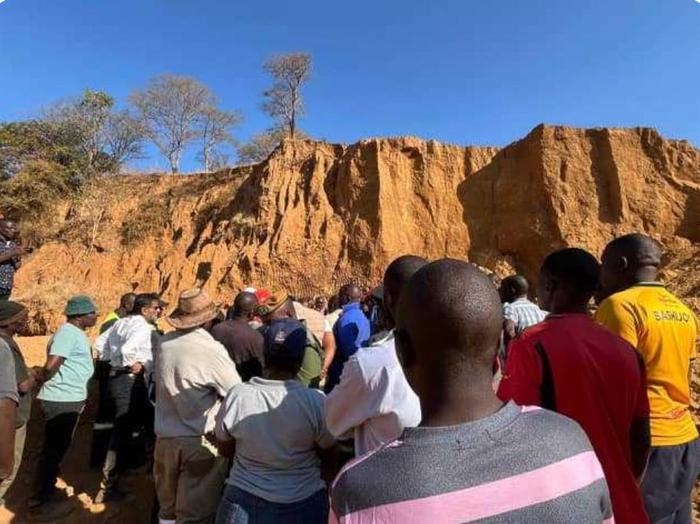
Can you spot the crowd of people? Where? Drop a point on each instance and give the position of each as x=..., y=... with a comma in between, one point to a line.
x=439, y=396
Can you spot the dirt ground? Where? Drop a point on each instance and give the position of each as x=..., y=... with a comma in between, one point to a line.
x=77, y=477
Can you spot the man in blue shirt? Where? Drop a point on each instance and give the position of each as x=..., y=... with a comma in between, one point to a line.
x=352, y=331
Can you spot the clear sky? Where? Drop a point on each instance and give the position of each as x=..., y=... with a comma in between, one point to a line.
x=460, y=71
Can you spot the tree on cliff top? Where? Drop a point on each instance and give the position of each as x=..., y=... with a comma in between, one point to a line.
x=215, y=129
x=175, y=111
x=283, y=101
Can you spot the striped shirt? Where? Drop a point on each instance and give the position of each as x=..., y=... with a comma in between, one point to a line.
x=517, y=465
x=524, y=313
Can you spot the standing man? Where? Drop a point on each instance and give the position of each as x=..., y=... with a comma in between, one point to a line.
x=130, y=347
x=193, y=373
x=352, y=331
x=126, y=306
x=13, y=319
x=9, y=400
x=243, y=343
x=642, y=311
x=519, y=313
x=373, y=399
x=104, y=419
x=10, y=257
x=571, y=365
x=63, y=393
x=472, y=458
x=316, y=323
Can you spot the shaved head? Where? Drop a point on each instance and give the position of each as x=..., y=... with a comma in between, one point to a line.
x=399, y=272
x=640, y=250
x=244, y=305
x=448, y=330
x=628, y=260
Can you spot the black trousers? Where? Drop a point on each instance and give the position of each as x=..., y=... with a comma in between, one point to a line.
x=133, y=414
x=61, y=421
x=104, y=419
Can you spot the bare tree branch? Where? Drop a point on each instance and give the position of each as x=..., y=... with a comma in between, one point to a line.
x=283, y=100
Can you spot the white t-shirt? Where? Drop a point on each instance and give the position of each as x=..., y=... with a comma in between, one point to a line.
x=373, y=398
x=277, y=426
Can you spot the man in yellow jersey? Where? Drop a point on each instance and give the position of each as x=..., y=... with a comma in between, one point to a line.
x=642, y=311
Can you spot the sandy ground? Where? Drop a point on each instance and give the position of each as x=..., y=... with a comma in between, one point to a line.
x=77, y=477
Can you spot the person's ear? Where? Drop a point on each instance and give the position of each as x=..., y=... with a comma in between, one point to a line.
x=623, y=263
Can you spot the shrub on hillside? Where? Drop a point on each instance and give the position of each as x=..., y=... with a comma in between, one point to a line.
x=144, y=222
x=32, y=198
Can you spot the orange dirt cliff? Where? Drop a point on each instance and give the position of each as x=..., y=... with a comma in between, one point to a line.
x=315, y=215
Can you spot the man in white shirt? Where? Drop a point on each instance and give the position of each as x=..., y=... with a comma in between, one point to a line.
x=373, y=400
x=129, y=348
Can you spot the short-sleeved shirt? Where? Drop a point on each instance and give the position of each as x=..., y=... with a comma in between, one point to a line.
x=244, y=345
x=193, y=372
x=69, y=384
x=571, y=365
x=517, y=465
x=352, y=331
x=7, y=268
x=523, y=313
x=664, y=331
x=24, y=408
x=8, y=379
x=277, y=426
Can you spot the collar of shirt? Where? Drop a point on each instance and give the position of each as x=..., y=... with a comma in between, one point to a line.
x=351, y=306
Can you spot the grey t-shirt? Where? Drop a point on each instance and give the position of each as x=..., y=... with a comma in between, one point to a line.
x=8, y=379
x=193, y=372
x=277, y=426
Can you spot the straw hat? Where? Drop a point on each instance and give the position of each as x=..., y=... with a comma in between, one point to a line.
x=194, y=308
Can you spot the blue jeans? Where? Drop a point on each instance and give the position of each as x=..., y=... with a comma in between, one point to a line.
x=240, y=507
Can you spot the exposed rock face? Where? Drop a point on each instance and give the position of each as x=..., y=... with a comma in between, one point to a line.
x=315, y=215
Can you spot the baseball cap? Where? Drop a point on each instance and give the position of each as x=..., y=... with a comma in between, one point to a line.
x=285, y=339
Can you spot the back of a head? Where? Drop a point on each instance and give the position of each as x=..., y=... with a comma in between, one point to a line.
x=349, y=293
x=450, y=312
x=640, y=250
x=127, y=301
x=285, y=344
x=144, y=300
x=513, y=287
x=576, y=268
x=397, y=275
x=244, y=304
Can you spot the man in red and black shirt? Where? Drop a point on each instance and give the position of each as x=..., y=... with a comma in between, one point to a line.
x=571, y=365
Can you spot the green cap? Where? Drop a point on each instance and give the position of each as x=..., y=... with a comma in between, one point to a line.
x=80, y=305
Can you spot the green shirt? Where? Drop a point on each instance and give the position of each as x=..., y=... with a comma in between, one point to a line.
x=313, y=361
x=69, y=384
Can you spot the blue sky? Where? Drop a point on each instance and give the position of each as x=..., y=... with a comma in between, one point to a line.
x=460, y=71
